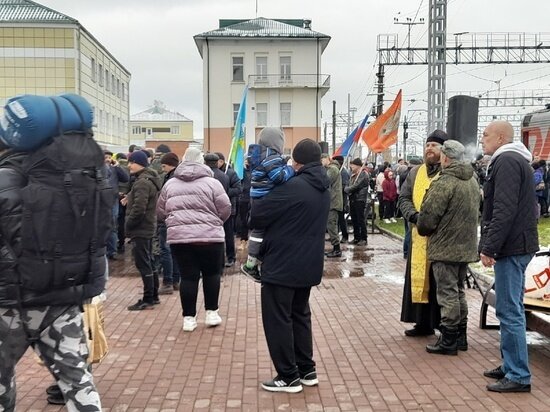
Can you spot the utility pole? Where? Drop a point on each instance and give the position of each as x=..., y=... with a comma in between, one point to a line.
x=380, y=93
x=351, y=115
x=408, y=22
x=405, y=137
x=437, y=62
x=334, y=125
x=325, y=132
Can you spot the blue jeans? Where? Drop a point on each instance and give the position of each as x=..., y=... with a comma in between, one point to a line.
x=112, y=241
x=509, y=289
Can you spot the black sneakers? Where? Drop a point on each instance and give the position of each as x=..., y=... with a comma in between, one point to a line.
x=309, y=379
x=496, y=373
x=505, y=385
x=252, y=273
x=141, y=305
x=278, y=384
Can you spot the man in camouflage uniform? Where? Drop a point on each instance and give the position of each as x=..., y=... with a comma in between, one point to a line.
x=449, y=216
x=55, y=332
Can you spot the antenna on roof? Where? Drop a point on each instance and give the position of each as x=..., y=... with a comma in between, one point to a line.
x=256, y=8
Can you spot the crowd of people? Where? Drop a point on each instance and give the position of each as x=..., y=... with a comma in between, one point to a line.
x=181, y=218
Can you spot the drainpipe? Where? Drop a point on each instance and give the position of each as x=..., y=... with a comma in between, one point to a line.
x=317, y=94
x=208, y=91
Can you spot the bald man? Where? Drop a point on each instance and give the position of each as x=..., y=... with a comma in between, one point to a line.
x=508, y=242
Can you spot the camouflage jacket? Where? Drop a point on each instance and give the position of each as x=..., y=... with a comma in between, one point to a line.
x=449, y=215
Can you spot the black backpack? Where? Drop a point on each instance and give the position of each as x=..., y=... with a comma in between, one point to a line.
x=66, y=219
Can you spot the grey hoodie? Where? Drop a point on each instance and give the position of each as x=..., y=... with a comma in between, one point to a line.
x=272, y=137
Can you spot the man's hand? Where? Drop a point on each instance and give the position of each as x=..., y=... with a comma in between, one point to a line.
x=124, y=201
x=487, y=261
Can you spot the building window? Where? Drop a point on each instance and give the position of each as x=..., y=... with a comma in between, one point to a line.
x=175, y=130
x=285, y=114
x=107, y=80
x=285, y=67
x=118, y=88
x=136, y=129
x=261, y=68
x=100, y=75
x=235, y=112
x=123, y=94
x=113, y=88
x=149, y=132
x=100, y=121
x=261, y=114
x=238, y=68
x=94, y=70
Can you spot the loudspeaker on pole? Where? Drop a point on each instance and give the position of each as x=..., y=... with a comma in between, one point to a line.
x=462, y=117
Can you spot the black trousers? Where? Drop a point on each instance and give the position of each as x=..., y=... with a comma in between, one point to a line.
x=192, y=261
x=143, y=259
x=287, y=326
x=121, y=221
x=244, y=208
x=357, y=211
x=343, y=225
x=228, y=227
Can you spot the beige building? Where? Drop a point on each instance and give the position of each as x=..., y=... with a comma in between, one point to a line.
x=280, y=62
x=159, y=125
x=46, y=52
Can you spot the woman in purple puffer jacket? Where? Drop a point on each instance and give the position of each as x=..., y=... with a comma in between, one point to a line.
x=194, y=206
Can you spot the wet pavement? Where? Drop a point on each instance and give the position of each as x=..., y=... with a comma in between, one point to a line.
x=363, y=359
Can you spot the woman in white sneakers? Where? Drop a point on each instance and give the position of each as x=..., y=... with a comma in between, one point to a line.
x=194, y=206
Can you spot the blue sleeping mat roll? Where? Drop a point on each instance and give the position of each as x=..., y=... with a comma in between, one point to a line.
x=31, y=121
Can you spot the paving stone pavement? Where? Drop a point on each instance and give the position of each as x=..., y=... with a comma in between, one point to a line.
x=364, y=361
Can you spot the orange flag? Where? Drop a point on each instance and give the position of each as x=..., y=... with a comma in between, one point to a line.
x=382, y=133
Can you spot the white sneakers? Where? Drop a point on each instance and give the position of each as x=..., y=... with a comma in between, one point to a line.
x=212, y=318
x=393, y=220
x=189, y=323
x=387, y=221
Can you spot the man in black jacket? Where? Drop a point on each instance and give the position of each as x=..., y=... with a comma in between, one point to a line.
x=235, y=189
x=140, y=225
x=294, y=217
x=509, y=239
x=53, y=329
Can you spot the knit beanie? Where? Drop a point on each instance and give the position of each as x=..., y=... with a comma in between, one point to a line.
x=272, y=137
x=170, y=159
x=192, y=154
x=306, y=151
x=162, y=148
x=138, y=157
x=438, y=136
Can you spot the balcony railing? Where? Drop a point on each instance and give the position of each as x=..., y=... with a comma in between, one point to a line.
x=269, y=81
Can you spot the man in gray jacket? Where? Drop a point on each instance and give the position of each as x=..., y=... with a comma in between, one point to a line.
x=449, y=216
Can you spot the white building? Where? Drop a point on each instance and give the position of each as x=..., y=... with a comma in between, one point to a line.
x=280, y=61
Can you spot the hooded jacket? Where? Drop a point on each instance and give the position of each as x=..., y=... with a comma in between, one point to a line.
x=449, y=215
x=294, y=218
x=13, y=294
x=194, y=205
x=509, y=220
x=142, y=200
x=389, y=188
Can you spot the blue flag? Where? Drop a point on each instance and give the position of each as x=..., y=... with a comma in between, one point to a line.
x=236, y=154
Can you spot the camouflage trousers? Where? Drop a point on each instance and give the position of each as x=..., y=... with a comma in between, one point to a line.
x=450, y=278
x=56, y=334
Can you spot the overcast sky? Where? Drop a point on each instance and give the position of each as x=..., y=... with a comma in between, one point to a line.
x=154, y=41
